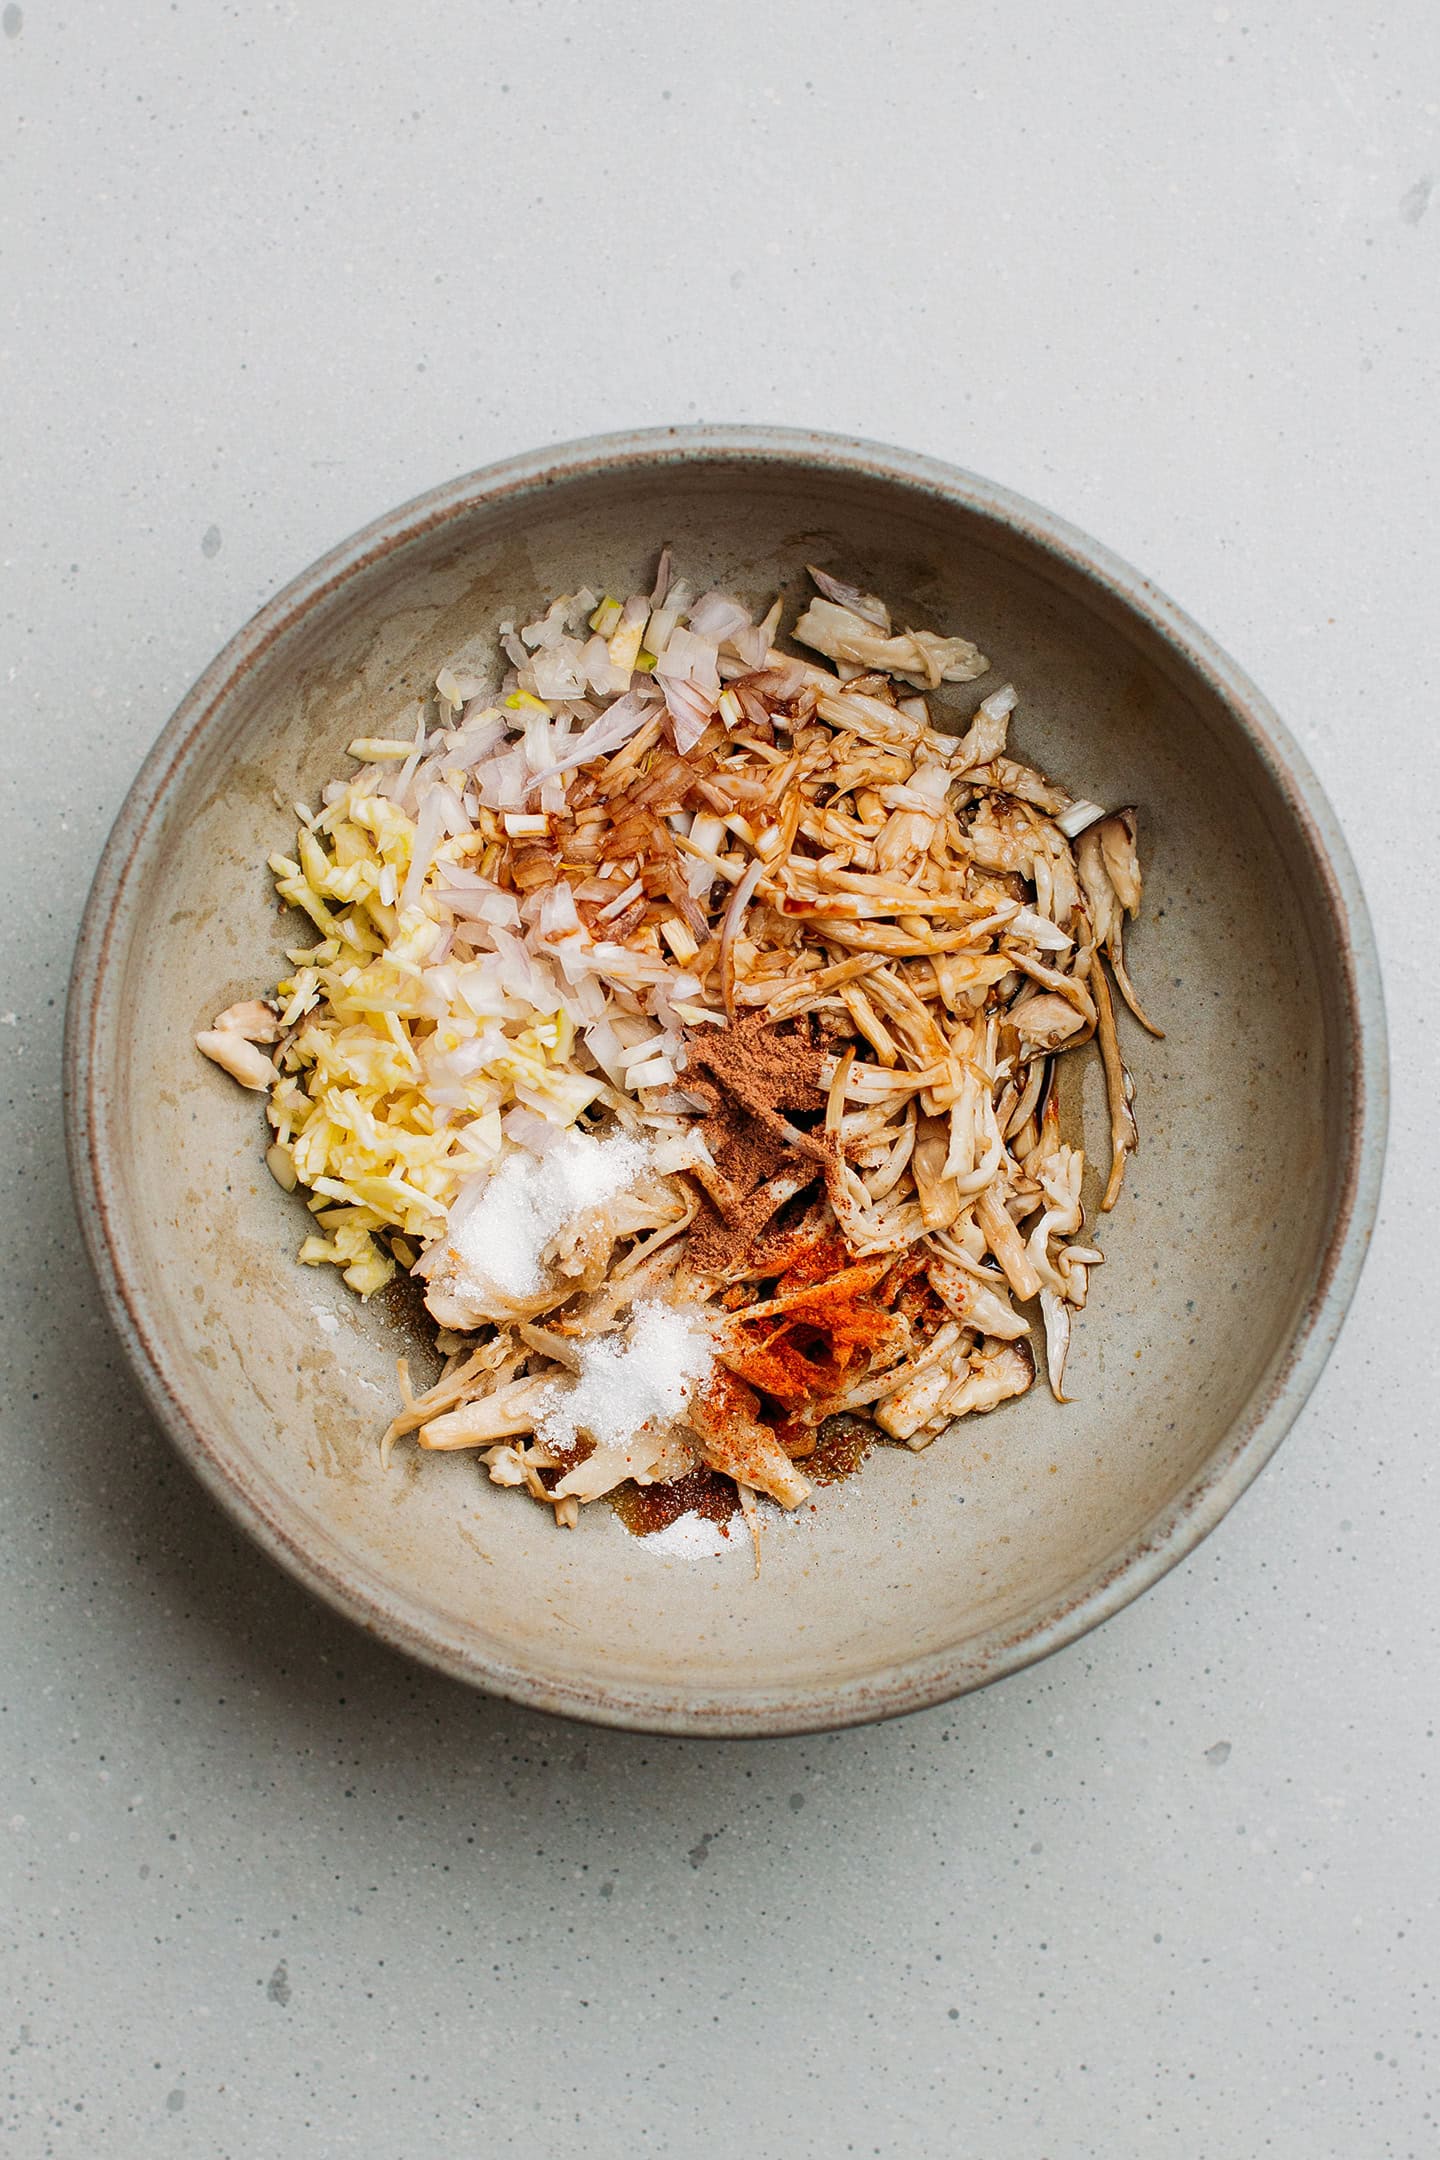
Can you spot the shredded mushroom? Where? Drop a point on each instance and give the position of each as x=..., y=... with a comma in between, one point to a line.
x=811, y=951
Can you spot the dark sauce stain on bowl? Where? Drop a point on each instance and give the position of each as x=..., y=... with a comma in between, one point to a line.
x=644, y=1509
x=844, y=1442
x=568, y=1457
x=401, y=1305
x=841, y=1446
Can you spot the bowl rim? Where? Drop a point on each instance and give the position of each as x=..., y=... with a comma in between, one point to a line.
x=364, y=1596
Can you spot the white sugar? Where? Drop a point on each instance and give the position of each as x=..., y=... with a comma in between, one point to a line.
x=694, y=1537
x=500, y=1230
x=627, y=1384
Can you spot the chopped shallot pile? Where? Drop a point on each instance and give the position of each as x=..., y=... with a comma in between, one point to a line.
x=685, y=1016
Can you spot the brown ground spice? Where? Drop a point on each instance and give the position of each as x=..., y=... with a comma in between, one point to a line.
x=755, y=1080
x=764, y=1069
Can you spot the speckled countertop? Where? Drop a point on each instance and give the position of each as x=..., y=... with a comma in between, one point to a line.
x=271, y=268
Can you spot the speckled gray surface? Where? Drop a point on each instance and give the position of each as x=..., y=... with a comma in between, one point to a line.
x=270, y=1890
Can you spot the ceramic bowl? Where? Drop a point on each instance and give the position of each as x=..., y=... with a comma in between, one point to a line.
x=1228, y=1266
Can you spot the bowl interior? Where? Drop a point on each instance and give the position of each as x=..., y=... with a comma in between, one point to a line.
x=941, y=1559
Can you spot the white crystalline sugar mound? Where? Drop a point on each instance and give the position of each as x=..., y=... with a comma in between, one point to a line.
x=500, y=1233
x=625, y=1386
x=693, y=1537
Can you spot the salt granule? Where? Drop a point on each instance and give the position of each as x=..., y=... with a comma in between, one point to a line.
x=625, y=1386
x=500, y=1234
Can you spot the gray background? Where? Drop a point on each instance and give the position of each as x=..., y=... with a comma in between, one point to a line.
x=272, y=268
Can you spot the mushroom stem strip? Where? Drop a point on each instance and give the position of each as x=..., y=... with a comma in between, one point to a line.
x=1124, y=1135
